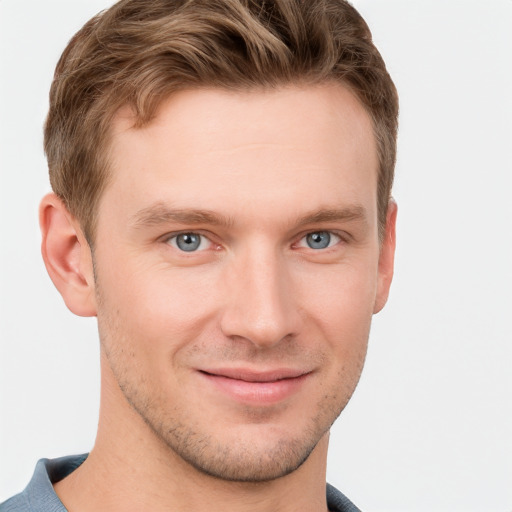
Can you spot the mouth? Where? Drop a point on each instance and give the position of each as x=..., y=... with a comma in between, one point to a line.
x=256, y=387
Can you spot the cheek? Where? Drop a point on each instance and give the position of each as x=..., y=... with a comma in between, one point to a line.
x=338, y=309
x=342, y=296
x=157, y=309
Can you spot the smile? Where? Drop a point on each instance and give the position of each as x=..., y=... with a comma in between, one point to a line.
x=257, y=388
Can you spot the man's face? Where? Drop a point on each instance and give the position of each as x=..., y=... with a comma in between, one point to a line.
x=237, y=270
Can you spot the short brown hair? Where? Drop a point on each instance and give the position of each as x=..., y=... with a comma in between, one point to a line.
x=139, y=52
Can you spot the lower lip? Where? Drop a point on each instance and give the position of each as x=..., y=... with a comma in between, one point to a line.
x=258, y=393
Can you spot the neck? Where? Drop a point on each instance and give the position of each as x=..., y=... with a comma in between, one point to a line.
x=131, y=468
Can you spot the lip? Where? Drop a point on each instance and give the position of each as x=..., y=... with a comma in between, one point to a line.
x=256, y=387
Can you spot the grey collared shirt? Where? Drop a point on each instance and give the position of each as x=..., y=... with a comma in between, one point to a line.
x=39, y=495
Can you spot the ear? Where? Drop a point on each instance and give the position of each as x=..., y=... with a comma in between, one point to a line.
x=67, y=256
x=386, y=258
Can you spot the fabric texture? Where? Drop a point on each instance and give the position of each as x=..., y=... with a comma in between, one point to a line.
x=39, y=495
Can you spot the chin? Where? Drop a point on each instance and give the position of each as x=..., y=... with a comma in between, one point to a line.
x=240, y=460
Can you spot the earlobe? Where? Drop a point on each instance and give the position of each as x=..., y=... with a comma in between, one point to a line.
x=67, y=256
x=386, y=258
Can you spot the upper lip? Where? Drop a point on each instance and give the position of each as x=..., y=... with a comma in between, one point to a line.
x=250, y=375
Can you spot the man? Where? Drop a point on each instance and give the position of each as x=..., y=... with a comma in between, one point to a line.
x=222, y=177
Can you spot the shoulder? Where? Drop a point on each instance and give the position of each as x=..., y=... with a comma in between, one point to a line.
x=39, y=495
x=18, y=503
x=338, y=502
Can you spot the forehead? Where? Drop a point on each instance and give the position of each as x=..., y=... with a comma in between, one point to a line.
x=227, y=149
x=254, y=114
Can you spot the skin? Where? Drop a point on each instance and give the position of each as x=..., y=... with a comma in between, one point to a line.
x=187, y=338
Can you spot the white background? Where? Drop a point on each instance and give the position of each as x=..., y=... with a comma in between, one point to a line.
x=430, y=425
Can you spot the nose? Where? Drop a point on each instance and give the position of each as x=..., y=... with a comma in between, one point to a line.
x=260, y=304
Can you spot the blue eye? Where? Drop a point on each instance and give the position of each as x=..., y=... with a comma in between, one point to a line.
x=320, y=240
x=188, y=242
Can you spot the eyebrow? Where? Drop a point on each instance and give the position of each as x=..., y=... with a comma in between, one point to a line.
x=350, y=213
x=159, y=213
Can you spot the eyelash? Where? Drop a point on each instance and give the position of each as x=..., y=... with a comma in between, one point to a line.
x=169, y=239
x=331, y=234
